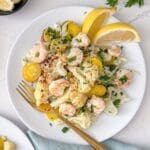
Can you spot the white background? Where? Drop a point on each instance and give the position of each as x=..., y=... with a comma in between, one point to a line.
x=138, y=130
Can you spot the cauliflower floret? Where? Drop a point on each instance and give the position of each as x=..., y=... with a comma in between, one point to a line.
x=84, y=86
x=90, y=72
x=86, y=76
x=60, y=68
x=41, y=93
x=78, y=99
x=60, y=100
x=83, y=120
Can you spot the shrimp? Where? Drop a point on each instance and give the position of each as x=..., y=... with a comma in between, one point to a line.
x=114, y=51
x=96, y=105
x=67, y=109
x=123, y=78
x=81, y=40
x=57, y=87
x=38, y=53
x=75, y=57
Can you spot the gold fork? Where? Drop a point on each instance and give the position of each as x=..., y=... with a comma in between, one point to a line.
x=26, y=91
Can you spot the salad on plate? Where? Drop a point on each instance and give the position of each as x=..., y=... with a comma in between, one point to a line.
x=79, y=69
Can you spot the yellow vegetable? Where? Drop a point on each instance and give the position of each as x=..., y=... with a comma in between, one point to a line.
x=46, y=36
x=31, y=72
x=49, y=34
x=52, y=116
x=95, y=61
x=73, y=28
x=1, y=143
x=97, y=90
x=44, y=107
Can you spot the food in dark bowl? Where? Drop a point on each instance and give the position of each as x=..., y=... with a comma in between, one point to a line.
x=10, y=6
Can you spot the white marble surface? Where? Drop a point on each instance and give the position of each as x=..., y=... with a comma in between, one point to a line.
x=138, y=131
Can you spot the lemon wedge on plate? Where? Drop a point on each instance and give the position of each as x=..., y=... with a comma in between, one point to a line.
x=6, y=5
x=95, y=19
x=116, y=33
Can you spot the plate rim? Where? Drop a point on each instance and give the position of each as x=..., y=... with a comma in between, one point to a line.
x=18, y=128
x=8, y=88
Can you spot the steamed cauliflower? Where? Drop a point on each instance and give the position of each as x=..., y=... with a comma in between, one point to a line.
x=83, y=120
x=90, y=72
x=41, y=93
x=78, y=99
x=83, y=85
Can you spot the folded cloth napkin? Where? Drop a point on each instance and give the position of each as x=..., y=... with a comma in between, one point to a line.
x=41, y=143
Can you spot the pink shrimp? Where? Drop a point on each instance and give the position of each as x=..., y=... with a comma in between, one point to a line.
x=67, y=109
x=123, y=78
x=96, y=105
x=57, y=87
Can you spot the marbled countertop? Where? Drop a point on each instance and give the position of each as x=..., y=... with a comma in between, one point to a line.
x=138, y=130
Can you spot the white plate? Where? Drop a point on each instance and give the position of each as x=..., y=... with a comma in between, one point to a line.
x=106, y=126
x=14, y=134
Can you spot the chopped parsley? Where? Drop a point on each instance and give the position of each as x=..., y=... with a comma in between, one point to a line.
x=121, y=93
x=65, y=129
x=123, y=79
x=50, y=124
x=53, y=33
x=121, y=47
x=83, y=109
x=67, y=39
x=104, y=78
x=85, y=13
x=117, y=103
x=37, y=54
x=92, y=108
x=71, y=59
x=78, y=40
x=81, y=67
x=112, y=67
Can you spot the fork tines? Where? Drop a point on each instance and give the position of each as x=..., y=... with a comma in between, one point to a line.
x=26, y=91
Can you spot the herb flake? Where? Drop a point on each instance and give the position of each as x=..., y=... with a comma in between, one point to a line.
x=71, y=59
x=123, y=79
x=65, y=129
x=117, y=103
x=104, y=78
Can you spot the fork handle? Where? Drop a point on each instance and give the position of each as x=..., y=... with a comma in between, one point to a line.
x=95, y=144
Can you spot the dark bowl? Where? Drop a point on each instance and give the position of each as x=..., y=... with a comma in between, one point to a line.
x=16, y=8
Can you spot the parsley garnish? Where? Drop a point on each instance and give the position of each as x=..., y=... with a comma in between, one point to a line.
x=71, y=59
x=37, y=54
x=121, y=93
x=112, y=3
x=50, y=124
x=104, y=78
x=123, y=79
x=53, y=33
x=117, y=103
x=92, y=108
x=65, y=129
x=81, y=67
x=67, y=39
x=112, y=67
x=83, y=109
x=78, y=40
x=129, y=3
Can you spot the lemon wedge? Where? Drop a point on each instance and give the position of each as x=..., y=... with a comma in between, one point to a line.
x=95, y=19
x=116, y=33
x=6, y=5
